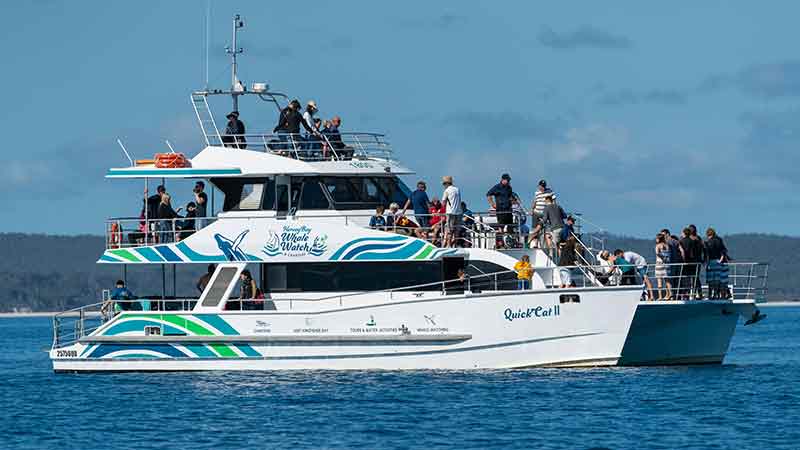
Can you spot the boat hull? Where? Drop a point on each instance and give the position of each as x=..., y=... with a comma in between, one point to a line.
x=683, y=333
x=548, y=328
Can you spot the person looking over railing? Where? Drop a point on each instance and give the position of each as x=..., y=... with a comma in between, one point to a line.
x=675, y=270
x=166, y=216
x=451, y=198
x=289, y=125
x=716, y=266
x=626, y=269
x=377, y=221
x=234, y=132
x=524, y=272
x=333, y=134
x=421, y=205
x=641, y=270
x=121, y=292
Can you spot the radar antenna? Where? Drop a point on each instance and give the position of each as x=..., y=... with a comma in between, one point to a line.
x=236, y=86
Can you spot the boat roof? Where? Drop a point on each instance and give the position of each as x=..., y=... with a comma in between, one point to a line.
x=214, y=161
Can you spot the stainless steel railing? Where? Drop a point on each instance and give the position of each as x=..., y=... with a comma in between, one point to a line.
x=319, y=147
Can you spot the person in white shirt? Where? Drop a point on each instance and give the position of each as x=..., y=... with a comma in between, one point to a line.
x=641, y=267
x=451, y=198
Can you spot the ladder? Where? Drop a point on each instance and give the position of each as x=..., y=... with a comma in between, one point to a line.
x=206, y=120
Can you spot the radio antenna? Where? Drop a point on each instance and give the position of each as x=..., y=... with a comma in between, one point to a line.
x=233, y=50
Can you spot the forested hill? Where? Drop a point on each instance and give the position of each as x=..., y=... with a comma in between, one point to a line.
x=49, y=273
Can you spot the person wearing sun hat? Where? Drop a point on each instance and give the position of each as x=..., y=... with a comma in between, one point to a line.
x=234, y=131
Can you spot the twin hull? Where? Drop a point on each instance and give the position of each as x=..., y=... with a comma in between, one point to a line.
x=465, y=331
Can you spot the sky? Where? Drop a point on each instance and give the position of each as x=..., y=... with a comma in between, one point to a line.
x=639, y=116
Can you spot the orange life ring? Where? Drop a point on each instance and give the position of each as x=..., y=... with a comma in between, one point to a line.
x=114, y=235
x=171, y=160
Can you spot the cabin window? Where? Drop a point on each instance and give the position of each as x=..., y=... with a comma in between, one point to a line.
x=313, y=197
x=481, y=278
x=251, y=196
x=339, y=276
x=219, y=286
x=365, y=192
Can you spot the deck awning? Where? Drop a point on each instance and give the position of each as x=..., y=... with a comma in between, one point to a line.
x=183, y=172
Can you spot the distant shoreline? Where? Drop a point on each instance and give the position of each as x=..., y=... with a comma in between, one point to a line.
x=11, y=315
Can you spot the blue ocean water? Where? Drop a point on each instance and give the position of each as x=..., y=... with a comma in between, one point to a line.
x=752, y=401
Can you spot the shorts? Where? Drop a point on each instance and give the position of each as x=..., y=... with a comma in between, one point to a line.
x=454, y=222
x=555, y=235
x=505, y=218
x=566, y=276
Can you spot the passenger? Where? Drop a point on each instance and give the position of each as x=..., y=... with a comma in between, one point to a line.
x=605, y=273
x=308, y=114
x=153, y=201
x=421, y=205
x=437, y=212
x=392, y=215
x=458, y=285
x=675, y=267
x=568, y=230
x=524, y=272
x=717, y=266
x=500, y=198
x=206, y=278
x=187, y=226
x=641, y=269
x=334, y=136
x=626, y=269
x=250, y=296
x=522, y=219
x=289, y=128
x=692, y=257
x=166, y=217
x=469, y=216
x=697, y=242
x=201, y=202
x=314, y=140
x=540, y=199
x=451, y=198
x=553, y=220
x=378, y=222
x=663, y=258
x=234, y=132
x=567, y=262
x=122, y=298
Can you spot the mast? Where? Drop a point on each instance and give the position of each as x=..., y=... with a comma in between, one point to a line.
x=233, y=50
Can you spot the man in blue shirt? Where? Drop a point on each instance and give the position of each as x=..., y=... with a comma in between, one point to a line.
x=120, y=292
x=568, y=230
x=421, y=204
x=501, y=197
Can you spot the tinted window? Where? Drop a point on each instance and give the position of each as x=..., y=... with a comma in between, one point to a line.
x=505, y=281
x=325, y=277
x=269, y=195
x=249, y=194
x=313, y=197
x=365, y=192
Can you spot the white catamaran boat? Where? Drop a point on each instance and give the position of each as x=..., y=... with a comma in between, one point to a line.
x=340, y=295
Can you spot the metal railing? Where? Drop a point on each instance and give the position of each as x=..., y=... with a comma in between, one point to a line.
x=315, y=147
x=744, y=281
x=122, y=232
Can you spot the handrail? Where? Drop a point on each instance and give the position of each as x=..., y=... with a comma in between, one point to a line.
x=314, y=147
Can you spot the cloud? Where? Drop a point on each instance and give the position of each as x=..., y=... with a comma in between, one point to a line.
x=654, y=96
x=502, y=127
x=772, y=80
x=443, y=21
x=770, y=144
x=584, y=37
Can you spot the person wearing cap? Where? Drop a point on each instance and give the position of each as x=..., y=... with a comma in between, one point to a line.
x=553, y=220
x=568, y=230
x=501, y=198
x=234, y=132
x=308, y=114
x=539, y=200
x=451, y=198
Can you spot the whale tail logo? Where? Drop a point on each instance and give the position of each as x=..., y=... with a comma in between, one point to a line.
x=230, y=248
